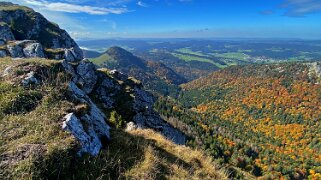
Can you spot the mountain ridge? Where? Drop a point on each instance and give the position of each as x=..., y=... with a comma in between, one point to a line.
x=155, y=76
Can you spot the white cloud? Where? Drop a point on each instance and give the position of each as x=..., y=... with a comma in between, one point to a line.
x=300, y=8
x=140, y=3
x=74, y=8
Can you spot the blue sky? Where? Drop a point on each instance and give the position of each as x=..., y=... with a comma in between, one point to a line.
x=183, y=18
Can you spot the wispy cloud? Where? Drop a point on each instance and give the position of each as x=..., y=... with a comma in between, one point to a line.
x=74, y=8
x=142, y=4
x=300, y=8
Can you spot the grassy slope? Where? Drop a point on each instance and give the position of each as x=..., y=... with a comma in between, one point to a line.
x=101, y=59
x=33, y=145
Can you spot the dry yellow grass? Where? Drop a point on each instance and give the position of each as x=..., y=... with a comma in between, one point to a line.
x=164, y=159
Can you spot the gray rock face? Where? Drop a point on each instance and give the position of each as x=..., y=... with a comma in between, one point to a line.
x=3, y=53
x=104, y=90
x=119, y=75
x=154, y=121
x=70, y=70
x=69, y=57
x=33, y=50
x=30, y=79
x=87, y=76
x=146, y=117
x=15, y=51
x=96, y=127
x=25, y=49
x=89, y=140
x=6, y=33
x=48, y=34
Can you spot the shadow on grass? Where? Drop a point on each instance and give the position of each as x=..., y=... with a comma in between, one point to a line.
x=122, y=154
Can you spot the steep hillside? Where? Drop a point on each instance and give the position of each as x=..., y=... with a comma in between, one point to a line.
x=263, y=119
x=155, y=76
x=26, y=33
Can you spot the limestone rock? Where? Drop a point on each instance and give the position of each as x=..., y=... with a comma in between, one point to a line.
x=88, y=139
x=33, y=50
x=87, y=73
x=70, y=70
x=154, y=121
x=15, y=51
x=104, y=91
x=6, y=33
x=130, y=126
x=69, y=57
x=143, y=100
x=25, y=48
x=38, y=28
x=30, y=79
x=94, y=119
x=118, y=75
x=146, y=117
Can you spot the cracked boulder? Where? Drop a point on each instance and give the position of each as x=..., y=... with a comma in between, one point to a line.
x=32, y=50
x=88, y=139
x=25, y=49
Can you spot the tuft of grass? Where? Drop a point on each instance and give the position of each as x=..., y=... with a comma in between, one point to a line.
x=16, y=100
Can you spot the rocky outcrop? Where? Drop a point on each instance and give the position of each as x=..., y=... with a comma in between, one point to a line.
x=96, y=134
x=15, y=51
x=33, y=50
x=25, y=49
x=6, y=33
x=146, y=117
x=89, y=141
x=87, y=81
x=87, y=76
x=22, y=23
